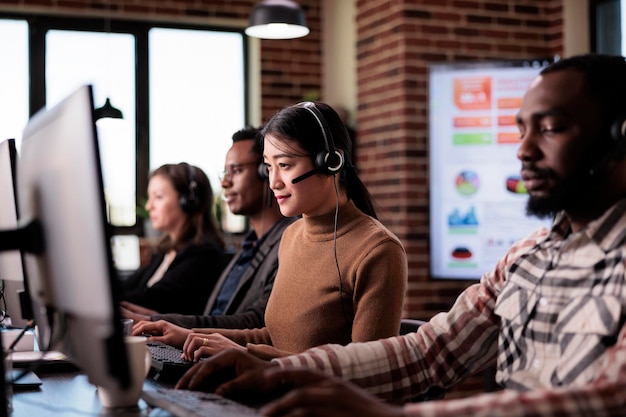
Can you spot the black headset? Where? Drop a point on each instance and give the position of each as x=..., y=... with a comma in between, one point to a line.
x=618, y=129
x=262, y=172
x=328, y=161
x=189, y=201
x=264, y=176
x=618, y=136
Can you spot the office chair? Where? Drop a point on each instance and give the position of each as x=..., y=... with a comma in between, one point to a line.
x=410, y=325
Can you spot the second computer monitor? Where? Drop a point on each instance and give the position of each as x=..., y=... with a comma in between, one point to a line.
x=61, y=199
x=11, y=267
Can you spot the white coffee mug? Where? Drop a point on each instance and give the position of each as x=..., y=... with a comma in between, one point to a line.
x=139, y=362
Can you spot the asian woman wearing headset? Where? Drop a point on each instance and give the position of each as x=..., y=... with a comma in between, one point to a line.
x=342, y=275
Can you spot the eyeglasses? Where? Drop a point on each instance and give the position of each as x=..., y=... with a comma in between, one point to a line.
x=234, y=169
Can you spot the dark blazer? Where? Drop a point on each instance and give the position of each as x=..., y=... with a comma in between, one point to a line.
x=246, y=309
x=185, y=286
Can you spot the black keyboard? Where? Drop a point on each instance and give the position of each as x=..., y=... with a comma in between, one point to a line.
x=167, y=365
x=183, y=403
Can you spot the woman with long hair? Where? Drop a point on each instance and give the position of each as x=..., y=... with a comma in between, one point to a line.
x=189, y=256
x=342, y=275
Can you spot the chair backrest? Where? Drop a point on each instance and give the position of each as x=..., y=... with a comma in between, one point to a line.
x=410, y=325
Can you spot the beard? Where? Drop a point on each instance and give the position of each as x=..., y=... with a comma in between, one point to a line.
x=575, y=191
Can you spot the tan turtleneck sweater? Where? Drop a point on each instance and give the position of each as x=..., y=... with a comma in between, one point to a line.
x=304, y=308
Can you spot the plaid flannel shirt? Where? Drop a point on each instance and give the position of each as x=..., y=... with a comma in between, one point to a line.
x=551, y=314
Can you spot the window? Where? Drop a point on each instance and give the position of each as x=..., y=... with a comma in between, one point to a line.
x=195, y=98
x=181, y=91
x=13, y=79
x=107, y=61
x=608, y=25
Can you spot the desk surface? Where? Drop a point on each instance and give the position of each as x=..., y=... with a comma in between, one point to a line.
x=71, y=394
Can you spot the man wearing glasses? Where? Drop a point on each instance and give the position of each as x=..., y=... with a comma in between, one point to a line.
x=240, y=296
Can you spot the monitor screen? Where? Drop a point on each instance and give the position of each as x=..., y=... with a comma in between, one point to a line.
x=60, y=195
x=11, y=267
x=477, y=199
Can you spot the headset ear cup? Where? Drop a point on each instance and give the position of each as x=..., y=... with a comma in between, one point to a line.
x=335, y=164
x=329, y=164
x=189, y=202
x=618, y=130
x=320, y=161
x=263, y=172
x=184, y=203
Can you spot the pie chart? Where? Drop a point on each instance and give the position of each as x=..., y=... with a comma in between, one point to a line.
x=467, y=182
x=515, y=185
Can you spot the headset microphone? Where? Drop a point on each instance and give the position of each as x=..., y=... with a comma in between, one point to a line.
x=306, y=175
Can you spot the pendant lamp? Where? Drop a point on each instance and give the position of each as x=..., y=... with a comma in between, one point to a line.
x=107, y=111
x=277, y=19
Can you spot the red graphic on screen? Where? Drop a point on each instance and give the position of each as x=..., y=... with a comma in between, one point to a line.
x=461, y=253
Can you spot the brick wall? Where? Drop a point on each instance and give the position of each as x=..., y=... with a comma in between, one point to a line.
x=290, y=69
x=396, y=39
x=396, y=42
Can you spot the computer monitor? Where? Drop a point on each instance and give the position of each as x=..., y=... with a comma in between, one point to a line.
x=11, y=266
x=65, y=238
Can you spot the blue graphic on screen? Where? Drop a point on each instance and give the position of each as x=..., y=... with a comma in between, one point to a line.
x=458, y=219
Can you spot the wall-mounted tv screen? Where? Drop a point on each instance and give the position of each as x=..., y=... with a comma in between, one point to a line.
x=477, y=199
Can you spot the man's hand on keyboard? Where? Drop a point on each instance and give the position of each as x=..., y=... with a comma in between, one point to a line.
x=135, y=312
x=316, y=394
x=233, y=374
x=162, y=331
x=203, y=345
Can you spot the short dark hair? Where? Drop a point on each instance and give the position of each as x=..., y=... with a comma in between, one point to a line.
x=247, y=133
x=604, y=80
x=250, y=133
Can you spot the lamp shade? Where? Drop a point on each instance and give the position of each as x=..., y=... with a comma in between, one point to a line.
x=277, y=19
x=107, y=110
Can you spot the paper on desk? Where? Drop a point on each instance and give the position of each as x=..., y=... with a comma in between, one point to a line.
x=32, y=356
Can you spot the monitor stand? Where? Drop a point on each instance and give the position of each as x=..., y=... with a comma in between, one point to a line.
x=4, y=404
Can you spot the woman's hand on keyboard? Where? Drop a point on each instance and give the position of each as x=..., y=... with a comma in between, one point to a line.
x=202, y=345
x=162, y=331
x=232, y=374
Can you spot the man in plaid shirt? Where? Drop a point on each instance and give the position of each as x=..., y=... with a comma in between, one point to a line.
x=550, y=315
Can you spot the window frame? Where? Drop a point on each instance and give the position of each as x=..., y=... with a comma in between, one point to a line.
x=600, y=37
x=39, y=25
